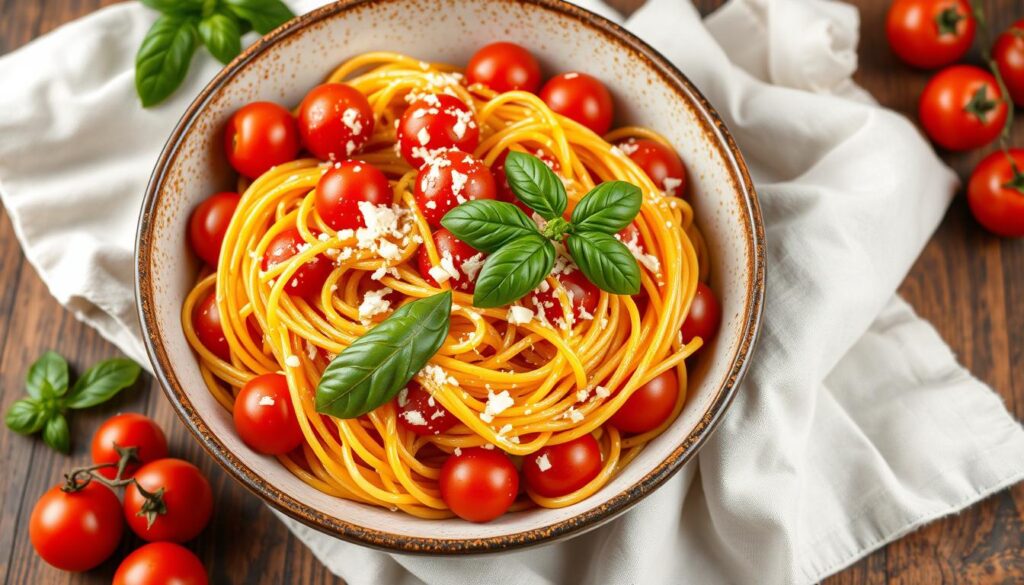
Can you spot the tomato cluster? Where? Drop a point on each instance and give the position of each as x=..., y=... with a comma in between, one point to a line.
x=77, y=525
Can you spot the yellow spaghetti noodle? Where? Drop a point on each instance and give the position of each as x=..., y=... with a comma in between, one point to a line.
x=563, y=380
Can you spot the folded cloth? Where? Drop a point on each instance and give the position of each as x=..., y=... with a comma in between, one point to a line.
x=854, y=425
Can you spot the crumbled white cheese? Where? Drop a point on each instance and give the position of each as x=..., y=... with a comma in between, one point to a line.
x=582, y=395
x=649, y=261
x=292, y=361
x=437, y=376
x=403, y=397
x=543, y=464
x=574, y=415
x=458, y=184
x=671, y=184
x=504, y=430
x=472, y=265
x=423, y=136
x=458, y=452
x=414, y=417
x=496, y=404
x=629, y=147
x=350, y=118
x=519, y=315
x=602, y=392
x=266, y=401
x=437, y=414
x=374, y=303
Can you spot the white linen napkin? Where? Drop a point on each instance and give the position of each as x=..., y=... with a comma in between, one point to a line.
x=855, y=424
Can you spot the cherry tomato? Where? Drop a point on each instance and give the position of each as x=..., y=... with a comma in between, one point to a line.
x=504, y=190
x=209, y=223
x=308, y=280
x=335, y=121
x=630, y=235
x=704, y=317
x=504, y=67
x=433, y=124
x=649, y=406
x=421, y=414
x=259, y=136
x=480, y=484
x=996, y=194
x=580, y=97
x=128, y=430
x=659, y=162
x=453, y=177
x=187, y=499
x=961, y=108
x=161, y=563
x=206, y=321
x=264, y=416
x=582, y=293
x=76, y=531
x=460, y=252
x=1008, y=53
x=557, y=470
x=341, y=189
x=930, y=33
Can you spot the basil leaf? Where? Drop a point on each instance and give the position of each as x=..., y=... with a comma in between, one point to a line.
x=221, y=35
x=163, y=58
x=264, y=15
x=605, y=261
x=608, y=208
x=26, y=416
x=376, y=366
x=488, y=225
x=176, y=7
x=535, y=184
x=47, y=376
x=56, y=433
x=514, y=270
x=101, y=382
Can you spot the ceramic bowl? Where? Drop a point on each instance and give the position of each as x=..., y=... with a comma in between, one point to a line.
x=281, y=67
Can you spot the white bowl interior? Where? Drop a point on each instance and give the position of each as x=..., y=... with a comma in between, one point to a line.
x=285, y=71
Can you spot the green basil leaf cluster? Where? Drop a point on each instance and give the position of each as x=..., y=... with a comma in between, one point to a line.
x=379, y=364
x=51, y=395
x=521, y=255
x=165, y=54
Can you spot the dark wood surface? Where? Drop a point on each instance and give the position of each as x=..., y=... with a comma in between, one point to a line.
x=967, y=283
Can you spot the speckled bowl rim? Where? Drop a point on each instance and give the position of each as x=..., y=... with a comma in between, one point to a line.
x=712, y=126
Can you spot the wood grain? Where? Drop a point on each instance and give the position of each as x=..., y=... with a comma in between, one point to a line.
x=966, y=283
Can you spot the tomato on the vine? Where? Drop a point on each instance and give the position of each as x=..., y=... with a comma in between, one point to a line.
x=583, y=296
x=930, y=33
x=995, y=193
x=480, y=484
x=649, y=406
x=264, y=416
x=448, y=246
x=161, y=563
x=127, y=430
x=207, y=324
x=1008, y=53
x=659, y=162
x=962, y=108
x=185, y=506
x=704, y=317
x=308, y=280
x=580, y=97
x=343, y=187
x=421, y=414
x=557, y=470
x=504, y=66
x=76, y=531
x=335, y=121
x=259, y=136
x=208, y=224
x=433, y=124
x=451, y=178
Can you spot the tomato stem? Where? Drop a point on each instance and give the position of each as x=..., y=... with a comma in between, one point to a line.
x=947, y=20
x=1017, y=182
x=986, y=55
x=80, y=477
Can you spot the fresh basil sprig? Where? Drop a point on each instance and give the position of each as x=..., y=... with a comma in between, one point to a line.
x=521, y=255
x=379, y=364
x=49, y=398
x=166, y=52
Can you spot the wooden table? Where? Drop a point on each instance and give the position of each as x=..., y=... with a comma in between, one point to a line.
x=966, y=283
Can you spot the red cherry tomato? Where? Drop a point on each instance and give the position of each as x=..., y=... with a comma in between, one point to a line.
x=1008, y=53
x=341, y=189
x=583, y=295
x=453, y=177
x=659, y=162
x=433, y=124
x=961, y=108
x=480, y=484
x=649, y=406
x=460, y=252
x=504, y=190
x=264, y=416
x=206, y=321
x=187, y=500
x=76, y=531
x=260, y=135
x=704, y=317
x=421, y=414
x=580, y=97
x=504, y=67
x=335, y=121
x=161, y=563
x=996, y=194
x=557, y=470
x=209, y=223
x=930, y=33
x=128, y=430
x=308, y=280
x=630, y=235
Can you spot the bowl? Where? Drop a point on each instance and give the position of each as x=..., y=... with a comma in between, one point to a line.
x=281, y=67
